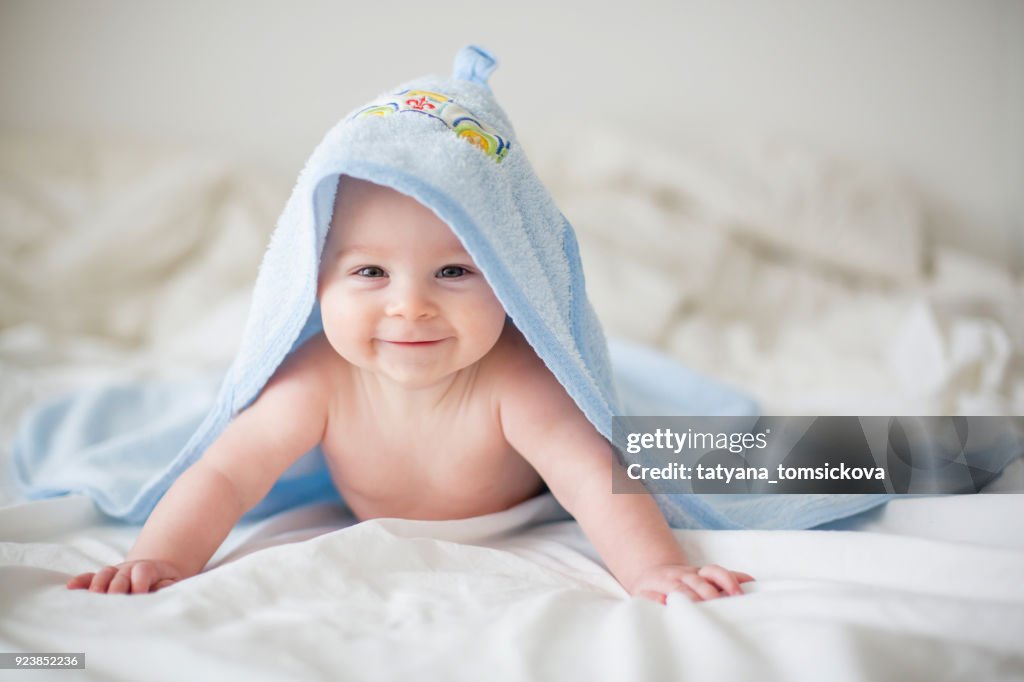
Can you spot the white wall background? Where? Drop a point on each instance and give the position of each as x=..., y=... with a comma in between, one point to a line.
x=931, y=90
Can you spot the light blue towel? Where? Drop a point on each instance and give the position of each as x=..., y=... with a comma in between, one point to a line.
x=447, y=143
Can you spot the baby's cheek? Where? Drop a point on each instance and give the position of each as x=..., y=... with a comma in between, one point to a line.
x=486, y=306
x=491, y=322
x=338, y=329
x=354, y=352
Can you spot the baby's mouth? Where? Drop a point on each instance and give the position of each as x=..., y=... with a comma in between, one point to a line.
x=413, y=344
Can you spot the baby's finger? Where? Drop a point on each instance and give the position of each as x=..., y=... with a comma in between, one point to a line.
x=652, y=595
x=743, y=577
x=120, y=583
x=702, y=587
x=685, y=591
x=80, y=581
x=101, y=580
x=166, y=582
x=143, y=575
x=721, y=577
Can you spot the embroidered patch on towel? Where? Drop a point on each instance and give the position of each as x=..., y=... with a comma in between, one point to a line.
x=446, y=110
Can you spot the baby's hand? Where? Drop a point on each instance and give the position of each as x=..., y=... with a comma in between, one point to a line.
x=130, y=577
x=698, y=584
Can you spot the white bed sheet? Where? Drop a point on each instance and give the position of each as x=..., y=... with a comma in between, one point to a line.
x=308, y=595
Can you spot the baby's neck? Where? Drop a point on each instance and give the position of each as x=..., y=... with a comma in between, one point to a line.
x=411, y=403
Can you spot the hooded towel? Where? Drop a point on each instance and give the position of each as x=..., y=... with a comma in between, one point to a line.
x=447, y=143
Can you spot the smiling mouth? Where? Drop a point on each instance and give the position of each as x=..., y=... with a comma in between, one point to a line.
x=415, y=344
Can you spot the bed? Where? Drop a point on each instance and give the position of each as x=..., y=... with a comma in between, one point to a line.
x=812, y=283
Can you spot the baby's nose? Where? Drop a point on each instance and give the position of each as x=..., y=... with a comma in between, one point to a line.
x=410, y=302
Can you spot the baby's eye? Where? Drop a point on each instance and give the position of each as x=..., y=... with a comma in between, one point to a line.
x=452, y=271
x=370, y=271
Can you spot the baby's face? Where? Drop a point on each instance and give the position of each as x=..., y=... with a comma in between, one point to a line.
x=400, y=296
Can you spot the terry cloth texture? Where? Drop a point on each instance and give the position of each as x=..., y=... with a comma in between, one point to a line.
x=447, y=143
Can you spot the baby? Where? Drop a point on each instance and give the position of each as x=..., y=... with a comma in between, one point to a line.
x=415, y=348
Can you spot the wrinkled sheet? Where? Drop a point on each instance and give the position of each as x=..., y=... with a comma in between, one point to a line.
x=305, y=595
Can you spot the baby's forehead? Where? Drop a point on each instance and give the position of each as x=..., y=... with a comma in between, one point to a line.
x=356, y=189
x=367, y=216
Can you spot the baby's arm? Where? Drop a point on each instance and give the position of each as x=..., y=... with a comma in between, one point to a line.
x=544, y=424
x=236, y=472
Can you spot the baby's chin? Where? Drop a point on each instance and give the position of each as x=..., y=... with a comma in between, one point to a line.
x=414, y=373
x=413, y=368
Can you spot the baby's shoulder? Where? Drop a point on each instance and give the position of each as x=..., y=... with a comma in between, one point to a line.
x=531, y=403
x=314, y=364
x=513, y=364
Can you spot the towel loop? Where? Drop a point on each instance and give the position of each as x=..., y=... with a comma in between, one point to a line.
x=474, y=63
